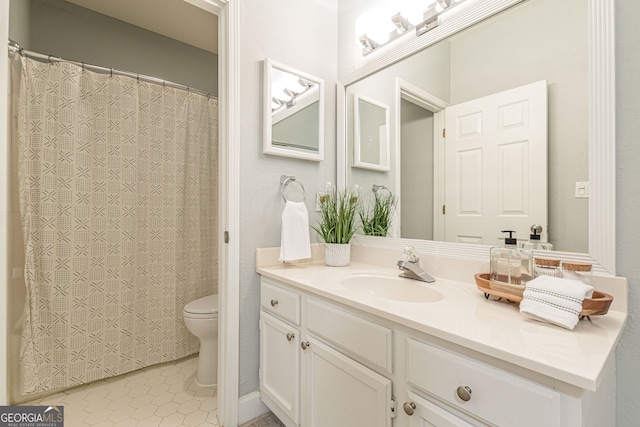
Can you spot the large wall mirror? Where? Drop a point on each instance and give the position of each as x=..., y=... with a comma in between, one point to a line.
x=513, y=44
x=293, y=112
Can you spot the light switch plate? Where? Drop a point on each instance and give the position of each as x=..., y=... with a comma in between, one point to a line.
x=582, y=190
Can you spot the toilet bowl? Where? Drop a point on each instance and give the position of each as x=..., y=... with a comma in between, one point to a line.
x=201, y=319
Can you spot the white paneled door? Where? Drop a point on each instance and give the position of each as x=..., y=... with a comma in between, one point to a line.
x=496, y=165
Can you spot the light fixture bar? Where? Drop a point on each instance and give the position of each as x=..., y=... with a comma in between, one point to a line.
x=431, y=20
x=427, y=25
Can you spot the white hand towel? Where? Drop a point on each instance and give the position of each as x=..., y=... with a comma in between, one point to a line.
x=295, y=243
x=554, y=300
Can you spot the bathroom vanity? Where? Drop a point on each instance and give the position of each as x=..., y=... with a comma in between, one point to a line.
x=358, y=346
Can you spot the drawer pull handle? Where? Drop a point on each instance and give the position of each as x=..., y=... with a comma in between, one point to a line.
x=409, y=407
x=464, y=393
x=290, y=336
x=305, y=345
x=274, y=302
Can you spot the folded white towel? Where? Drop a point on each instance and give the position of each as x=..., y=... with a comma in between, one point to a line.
x=295, y=243
x=555, y=300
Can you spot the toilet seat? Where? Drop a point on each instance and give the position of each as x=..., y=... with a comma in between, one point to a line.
x=202, y=308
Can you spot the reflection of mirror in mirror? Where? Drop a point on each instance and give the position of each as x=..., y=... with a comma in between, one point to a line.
x=293, y=113
x=508, y=50
x=371, y=139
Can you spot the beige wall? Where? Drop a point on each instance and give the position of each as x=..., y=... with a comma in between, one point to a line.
x=628, y=204
x=302, y=35
x=416, y=189
x=72, y=32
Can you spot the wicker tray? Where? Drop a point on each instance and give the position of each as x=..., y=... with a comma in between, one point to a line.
x=598, y=305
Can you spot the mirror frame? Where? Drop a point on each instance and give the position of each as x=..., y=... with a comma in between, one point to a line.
x=602, y=131
x=267, y=146
x=357, y=135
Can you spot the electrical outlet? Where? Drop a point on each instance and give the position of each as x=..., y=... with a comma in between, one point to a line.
x=582, y=190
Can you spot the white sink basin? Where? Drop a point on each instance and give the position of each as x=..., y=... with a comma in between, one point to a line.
x=394, y=288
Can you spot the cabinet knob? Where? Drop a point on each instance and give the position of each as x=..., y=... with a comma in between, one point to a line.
x=274, y=302
x=464, y=393
x=409, y=407
x=290, y=336
x=305, y=345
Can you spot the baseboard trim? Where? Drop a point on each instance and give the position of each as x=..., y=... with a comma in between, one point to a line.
x=250, y=406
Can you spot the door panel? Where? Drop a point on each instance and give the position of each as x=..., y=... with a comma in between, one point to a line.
x=496, y=165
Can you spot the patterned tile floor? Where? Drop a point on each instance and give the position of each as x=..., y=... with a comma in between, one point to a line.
x=161, y=395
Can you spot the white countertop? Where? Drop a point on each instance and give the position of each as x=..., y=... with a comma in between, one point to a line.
x=464, y=317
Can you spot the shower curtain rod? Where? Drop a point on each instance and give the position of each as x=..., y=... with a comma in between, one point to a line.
x=15, y=47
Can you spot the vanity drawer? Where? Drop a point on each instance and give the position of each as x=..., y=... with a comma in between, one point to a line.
x=280, y=301
x=496, y=396
x=361, y=337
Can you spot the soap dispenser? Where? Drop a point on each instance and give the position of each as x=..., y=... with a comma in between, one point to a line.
x=534, y=242
x=509, y=264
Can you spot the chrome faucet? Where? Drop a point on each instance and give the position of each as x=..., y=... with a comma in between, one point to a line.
x=410, y=266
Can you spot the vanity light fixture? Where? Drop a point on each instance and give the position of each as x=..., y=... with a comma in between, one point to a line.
x=368, y=44
x=430, y=20
x=286, y=95
x=401, y=23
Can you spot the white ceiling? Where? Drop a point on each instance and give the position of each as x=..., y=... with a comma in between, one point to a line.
x=176, y=19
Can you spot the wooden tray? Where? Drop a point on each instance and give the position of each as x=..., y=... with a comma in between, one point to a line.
x=596, y=306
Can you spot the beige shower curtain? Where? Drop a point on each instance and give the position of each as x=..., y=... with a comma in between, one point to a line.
x=118, y=199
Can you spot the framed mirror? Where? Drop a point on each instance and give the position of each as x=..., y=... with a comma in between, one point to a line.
x=371, y=134
x=598, y=107
x=293, y=113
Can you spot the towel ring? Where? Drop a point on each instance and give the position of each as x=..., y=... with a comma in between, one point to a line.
x=285, y=180
x=378, y=188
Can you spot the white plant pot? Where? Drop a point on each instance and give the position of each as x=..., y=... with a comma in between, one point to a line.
x=337, y=254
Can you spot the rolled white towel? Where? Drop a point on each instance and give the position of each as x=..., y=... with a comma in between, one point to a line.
x=555, y=300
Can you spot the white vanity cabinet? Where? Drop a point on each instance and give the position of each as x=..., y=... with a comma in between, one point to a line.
x=324, y=363
x=318, y=371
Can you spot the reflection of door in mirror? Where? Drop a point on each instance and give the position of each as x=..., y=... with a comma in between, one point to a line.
x=496, y=165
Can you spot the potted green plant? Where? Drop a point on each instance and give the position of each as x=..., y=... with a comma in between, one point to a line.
x=377, y=221
x=336, y=224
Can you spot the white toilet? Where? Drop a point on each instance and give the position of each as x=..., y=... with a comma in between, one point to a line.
x=201, y=319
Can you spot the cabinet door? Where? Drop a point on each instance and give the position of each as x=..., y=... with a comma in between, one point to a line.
x=427, y=414
x=340, y=392
x=280, y=365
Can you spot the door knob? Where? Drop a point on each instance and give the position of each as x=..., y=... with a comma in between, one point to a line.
x=274, y=302
x=290, y=336
x=464, y=393
x=305, y=345
x=409, y=407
